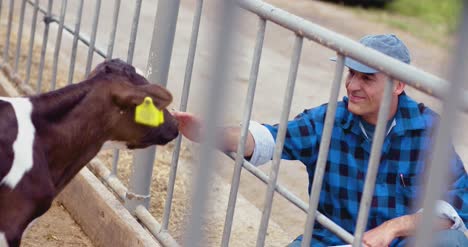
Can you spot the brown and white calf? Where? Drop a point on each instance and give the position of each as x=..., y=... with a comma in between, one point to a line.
x=46, y=139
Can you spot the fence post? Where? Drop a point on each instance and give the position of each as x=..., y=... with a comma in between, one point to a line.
x=157, y=71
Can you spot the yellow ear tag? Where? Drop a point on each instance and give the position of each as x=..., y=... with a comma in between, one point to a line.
x=147, y=114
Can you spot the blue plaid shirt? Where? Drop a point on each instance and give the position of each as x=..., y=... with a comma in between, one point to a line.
x=404, y=153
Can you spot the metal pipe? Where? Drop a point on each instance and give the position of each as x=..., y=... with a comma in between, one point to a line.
x=110, y=50
x=101, y=171
x=115, y=21
x=439, y=172
x=133, y=34
x=20, y=35
x=10, y=21
x=154, y=227
x=45, y=37
x=323, y=152
x=183, y=107
x=244, y=131
x=58, y=43
x=32, y=36
x=93, y=37
x=280, y=140
x=71, y=69
x=1, y=2
x=419, y=79
x=157, y=69
x=52, y=19
x=286, y=194
x=220, y=65
x=374, y=162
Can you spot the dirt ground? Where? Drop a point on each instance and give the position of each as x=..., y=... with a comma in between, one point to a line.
x=56, y=228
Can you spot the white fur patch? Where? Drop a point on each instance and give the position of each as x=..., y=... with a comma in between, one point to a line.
x=114, y=144
x=3, y=241
x=23, y=145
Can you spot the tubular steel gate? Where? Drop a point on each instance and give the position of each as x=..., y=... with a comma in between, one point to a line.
x=137, y=197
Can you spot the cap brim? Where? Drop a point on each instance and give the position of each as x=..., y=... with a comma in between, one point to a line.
x=357, y=66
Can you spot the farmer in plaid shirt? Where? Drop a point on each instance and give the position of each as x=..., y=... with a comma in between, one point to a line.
x=405, y=153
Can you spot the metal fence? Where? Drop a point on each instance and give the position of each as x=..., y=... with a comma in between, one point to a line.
x=137, y=196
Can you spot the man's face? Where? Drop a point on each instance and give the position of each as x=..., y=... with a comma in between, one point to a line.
x=365, y=92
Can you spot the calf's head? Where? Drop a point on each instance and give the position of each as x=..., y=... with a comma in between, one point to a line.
x=123, y=90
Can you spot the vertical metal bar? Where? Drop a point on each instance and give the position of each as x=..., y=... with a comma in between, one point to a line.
x=31, y=41
x=131, y=46
x=115, y=161
x=323, y=152
x=158, y=70
x=115, y=21
x=58, y=43
x=213, y=110
x=438, y=174
x=374, y=162
x=20, y=35
x=1, y=3
x=10, y=21
x=76, y=34
x=244, y=131
x=110, y=50
x=183, y=107
x=92, y=42
x=280, y=141
x=45, y=37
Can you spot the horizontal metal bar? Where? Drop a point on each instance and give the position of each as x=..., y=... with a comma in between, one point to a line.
x=101, y=171
x=67, y=28
x=154, y=227
x=285, y=193
x=417, y=78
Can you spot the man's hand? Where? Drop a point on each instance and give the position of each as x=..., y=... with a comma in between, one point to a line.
x=189, y=125
x=380, y=236
x=402, y=226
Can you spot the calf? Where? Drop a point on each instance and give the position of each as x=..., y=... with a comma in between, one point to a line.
x=46, y=139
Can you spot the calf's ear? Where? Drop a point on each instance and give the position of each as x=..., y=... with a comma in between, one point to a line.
x=161, y=96
x=131, y=96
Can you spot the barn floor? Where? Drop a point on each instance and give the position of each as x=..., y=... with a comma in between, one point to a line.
x=56, y=228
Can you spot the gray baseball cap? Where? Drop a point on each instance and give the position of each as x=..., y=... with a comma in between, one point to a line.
x=388, y=44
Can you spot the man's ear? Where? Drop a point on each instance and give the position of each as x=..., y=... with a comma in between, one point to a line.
x=399, y=87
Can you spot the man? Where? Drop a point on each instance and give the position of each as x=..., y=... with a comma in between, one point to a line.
x=405, y=154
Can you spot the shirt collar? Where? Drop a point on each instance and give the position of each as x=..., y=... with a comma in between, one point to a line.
x=407, y=117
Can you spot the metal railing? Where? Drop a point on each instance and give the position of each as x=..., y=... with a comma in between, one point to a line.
x=157, y=70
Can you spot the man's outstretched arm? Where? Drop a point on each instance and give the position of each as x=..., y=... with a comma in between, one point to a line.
x=193, y=128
